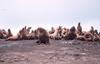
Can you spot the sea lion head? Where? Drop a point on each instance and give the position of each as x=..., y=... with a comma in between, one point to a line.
x=72, y=29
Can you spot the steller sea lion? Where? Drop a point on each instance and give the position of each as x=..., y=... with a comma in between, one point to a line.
x=65, y=31
x=42, y=35
x=57, y=34
x=9, y=33
x=71, y=35
x=79, y=29
x=96, y=36
x=52, y=30
x=88, y=36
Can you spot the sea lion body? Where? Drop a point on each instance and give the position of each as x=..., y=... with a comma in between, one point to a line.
x=42, y=36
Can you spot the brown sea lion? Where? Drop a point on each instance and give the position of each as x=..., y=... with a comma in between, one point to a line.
x=99, y=34
x=3, y=34
x=88, y=36
x=32, y=31
x=9, y=33
x=96, y=36
x=79, y=29
x=32, y=35
x=65, y=31
x=28, y=30
x=27, y=33
x=12, y=38
x=57, y=35
x=60, y=30
x=71, y=35
x=52, y=30
x=23, y=33
x=92, y=30
x=81, y=37
x=42, y=36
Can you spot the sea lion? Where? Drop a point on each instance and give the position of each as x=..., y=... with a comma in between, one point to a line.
x=96, y=36
x=28, y=30
x=64, y=32
x=92, y=30
x=79, y=29
x=88, y=36
x=99, y=33
x=52, y=30
x=71, y=35
x=81, y=37
x=42, y=36
x=9, y=33
x=32, y=35
x=57, y=35
x=3, y=34
x=24, y=32
x=12, y=38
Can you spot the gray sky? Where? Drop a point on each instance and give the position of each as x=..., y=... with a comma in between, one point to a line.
x=15, y=14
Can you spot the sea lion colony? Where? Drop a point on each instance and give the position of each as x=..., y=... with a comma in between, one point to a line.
x=43, y=35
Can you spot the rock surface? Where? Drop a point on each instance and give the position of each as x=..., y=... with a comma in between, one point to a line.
x=58, y=52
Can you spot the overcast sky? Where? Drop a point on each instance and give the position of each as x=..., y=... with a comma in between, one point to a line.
x=15, y=14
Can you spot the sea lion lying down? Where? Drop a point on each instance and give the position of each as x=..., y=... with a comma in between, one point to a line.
x=92, y=35
x=42, y=36
x=87, y=36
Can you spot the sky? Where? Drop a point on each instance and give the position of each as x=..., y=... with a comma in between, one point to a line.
x=16, y=14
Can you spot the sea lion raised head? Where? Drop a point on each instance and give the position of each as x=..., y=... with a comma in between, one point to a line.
x=52, y=30
x=60, y=30
x=92, y=30
x=9, y=33
x=22, y=34
x=28, y=30
x=79, y=29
